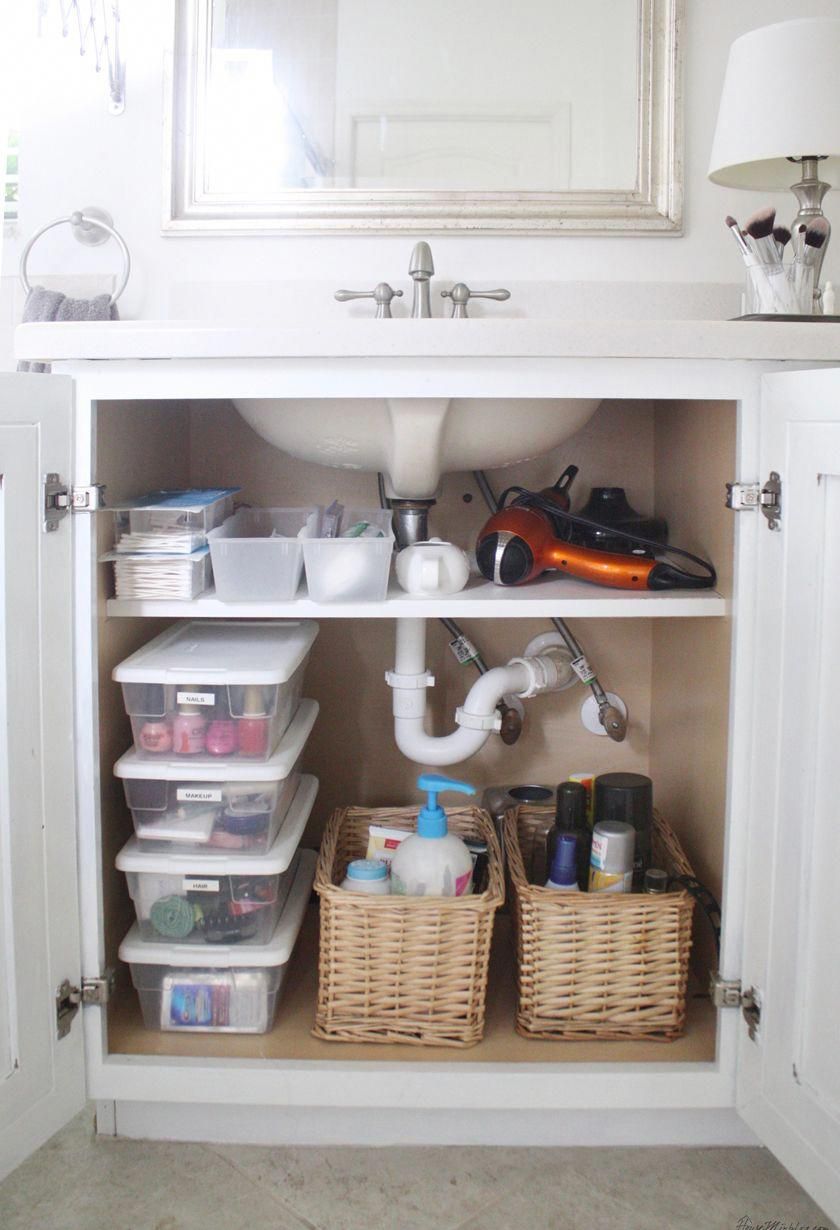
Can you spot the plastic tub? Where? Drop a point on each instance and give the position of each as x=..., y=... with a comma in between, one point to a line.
x=212, y=691
x=351, y=569
x=171, y=522
x=224, y=807
x=201, y=899
x=230, y=990
x=258, y=553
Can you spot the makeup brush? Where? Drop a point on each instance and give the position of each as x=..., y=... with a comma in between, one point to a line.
x=759, y=229
x=739, y=238
x=781, y=234
x=817, y=233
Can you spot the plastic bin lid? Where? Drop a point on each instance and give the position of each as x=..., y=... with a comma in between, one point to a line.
x=276, y=952
x=194, y=499
x=227, y=651
x=274, y=770
x=276, y=860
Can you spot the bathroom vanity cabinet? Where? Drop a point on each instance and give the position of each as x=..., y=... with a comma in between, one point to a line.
x=731, y=698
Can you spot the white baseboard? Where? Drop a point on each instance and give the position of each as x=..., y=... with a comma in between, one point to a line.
x=274, y=1125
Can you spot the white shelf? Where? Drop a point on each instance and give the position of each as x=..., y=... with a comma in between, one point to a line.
x=564, y=598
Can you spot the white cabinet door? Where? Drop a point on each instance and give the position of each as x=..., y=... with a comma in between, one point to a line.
x=41, y=1077
x=789, y=1077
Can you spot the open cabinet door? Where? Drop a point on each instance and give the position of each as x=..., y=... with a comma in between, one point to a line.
x=789, y=1075
x=41, y=1075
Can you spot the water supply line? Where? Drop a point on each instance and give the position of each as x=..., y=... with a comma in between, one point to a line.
x=477, y=718
x=611, y=718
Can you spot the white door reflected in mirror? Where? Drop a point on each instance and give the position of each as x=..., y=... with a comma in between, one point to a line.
x=546, y=114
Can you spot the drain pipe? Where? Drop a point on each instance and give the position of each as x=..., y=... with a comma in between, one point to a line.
x=477, y=718
x=611, y=718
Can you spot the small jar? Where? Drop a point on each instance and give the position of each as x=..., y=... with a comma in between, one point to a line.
x=656, y=881
x=367, y=875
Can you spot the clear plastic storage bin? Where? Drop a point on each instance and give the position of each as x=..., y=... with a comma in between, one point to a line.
x=229, y=990
x=216, y=691
x=351, y=569
x=224, y=807
x=201, y=899
x=171, y=522
x=258, y=553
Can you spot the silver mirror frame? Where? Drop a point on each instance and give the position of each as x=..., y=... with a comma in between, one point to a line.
x=653, y=206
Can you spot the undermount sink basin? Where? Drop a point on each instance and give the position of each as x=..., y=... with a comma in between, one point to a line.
x=413, y=440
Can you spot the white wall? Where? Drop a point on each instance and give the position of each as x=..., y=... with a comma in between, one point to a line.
x=74, y=153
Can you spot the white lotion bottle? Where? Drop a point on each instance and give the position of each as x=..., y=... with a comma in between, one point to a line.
x=433, y=862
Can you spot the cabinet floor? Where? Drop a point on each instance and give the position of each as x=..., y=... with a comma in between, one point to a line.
x=80, y=1182
x=291, y=1036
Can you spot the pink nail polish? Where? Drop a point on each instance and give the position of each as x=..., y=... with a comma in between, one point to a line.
x=155, y=737
x=221, y=737
x=189, y=730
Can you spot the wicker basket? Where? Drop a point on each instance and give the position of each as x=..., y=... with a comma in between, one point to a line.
x=402, y=969
x=598, y=965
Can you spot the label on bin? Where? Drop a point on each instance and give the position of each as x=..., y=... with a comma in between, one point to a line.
x=198, y=794
x=195, y=698
x=194, y=884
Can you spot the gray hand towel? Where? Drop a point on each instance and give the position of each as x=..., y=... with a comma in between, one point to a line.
x=44, y=305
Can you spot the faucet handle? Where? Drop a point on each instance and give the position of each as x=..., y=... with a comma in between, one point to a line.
x=460, y=294
x=383, y=294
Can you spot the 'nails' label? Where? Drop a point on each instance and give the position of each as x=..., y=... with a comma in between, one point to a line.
x=192, y=884
x=195, y=698
x=192, y=794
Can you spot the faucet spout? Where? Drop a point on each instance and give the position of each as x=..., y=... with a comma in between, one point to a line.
x=421, y=267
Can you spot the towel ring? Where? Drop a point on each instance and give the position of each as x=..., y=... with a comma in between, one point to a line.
x=90, y=223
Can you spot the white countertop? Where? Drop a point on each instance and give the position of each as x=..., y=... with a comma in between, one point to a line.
x=809, y=341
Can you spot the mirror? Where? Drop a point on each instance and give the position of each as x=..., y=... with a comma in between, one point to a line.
x=545, y=115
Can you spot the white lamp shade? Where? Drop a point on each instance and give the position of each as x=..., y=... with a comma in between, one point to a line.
x=780, y=99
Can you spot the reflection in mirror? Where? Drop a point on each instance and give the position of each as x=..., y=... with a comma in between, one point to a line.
x=479, y=114
x=480, y=95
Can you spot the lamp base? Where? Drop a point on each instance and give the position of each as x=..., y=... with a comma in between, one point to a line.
x=809, y=192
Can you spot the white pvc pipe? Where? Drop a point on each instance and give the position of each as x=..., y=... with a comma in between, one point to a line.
x=409, y=703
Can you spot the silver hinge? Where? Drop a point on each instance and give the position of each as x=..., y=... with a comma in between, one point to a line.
x=727, y=993
x=59, y=499
x=69, y=997
x=742, y=497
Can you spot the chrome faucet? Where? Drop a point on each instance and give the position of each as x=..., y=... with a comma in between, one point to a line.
x=421, y=267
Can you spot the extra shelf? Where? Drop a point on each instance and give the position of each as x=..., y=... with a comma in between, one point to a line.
x=481, y=599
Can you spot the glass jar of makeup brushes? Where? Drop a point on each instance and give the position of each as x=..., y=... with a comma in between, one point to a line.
x=774, y=290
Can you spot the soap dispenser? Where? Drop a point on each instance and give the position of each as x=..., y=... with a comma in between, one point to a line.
x=433, y=862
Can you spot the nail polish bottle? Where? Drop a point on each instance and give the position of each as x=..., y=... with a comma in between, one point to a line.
x=253, y=726
x=221, y=737
x=189, y=731
x=155, y=737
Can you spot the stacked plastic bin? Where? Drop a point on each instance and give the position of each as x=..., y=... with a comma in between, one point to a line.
x=219, y=805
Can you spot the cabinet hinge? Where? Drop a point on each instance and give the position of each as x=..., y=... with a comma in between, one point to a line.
x=59, y=499
x=744, y=497
x=727, y=993
x=68, y=998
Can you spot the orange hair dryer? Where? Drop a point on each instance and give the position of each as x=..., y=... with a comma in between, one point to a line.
x=520, y=542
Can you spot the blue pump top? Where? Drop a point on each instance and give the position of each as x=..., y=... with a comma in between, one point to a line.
x=431, y=819
x=564, y=864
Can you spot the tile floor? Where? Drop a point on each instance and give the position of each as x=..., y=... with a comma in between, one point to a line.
x=77, y=1182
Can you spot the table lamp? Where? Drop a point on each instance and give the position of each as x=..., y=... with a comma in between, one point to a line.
x=779, y=110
